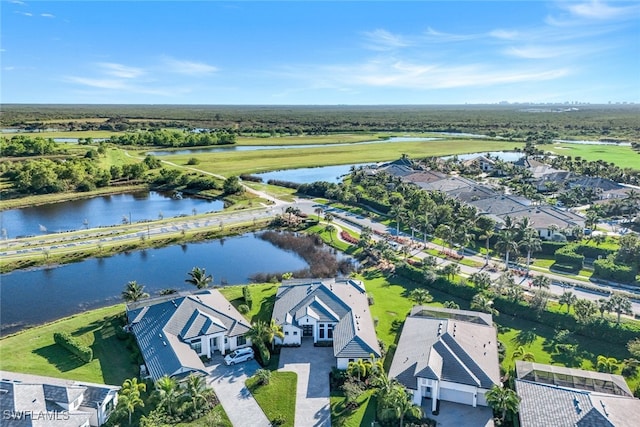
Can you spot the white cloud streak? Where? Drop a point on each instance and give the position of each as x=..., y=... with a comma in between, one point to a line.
x=120, y=70
x=47, y=15
x=190, y=68
x=383, y=40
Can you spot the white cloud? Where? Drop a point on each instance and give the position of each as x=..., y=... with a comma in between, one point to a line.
x=24, y=13
x=97, y=83
x=47, y=15
x=21, y=3
x=538, y=52
x=120, y=70
x=188, y=67
x=381, y=39
x=449, y=37
x=596, y=9
x=9, y=68
x=504, y=34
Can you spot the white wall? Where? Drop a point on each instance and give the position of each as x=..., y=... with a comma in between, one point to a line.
x=292, y=335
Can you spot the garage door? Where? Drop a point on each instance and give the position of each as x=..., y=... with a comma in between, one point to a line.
x=456, y=396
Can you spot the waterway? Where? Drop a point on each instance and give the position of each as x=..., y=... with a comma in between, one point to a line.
x=33, y=297
x=100, y=211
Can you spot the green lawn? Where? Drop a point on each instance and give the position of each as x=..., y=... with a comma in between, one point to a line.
x=264, y=297
x=33, y=351
x=363, y=415
x=216, y=418
x=278, y=397
x=624, y=157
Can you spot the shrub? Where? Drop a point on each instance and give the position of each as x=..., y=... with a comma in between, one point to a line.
x=263, y=376
x=243, y=308
x=67, y=341
x=608, y=269
x=246, y=293
x=567, y=256
x=278, y=420
x=193, y=161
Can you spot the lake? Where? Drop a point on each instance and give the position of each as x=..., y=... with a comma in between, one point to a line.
x=36, y=296
x=309, y=175
x=100, y=211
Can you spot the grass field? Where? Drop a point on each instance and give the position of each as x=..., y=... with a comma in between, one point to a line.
x=278, y=398
x=237, y=162
x=68, y=134
x=363, y=415
x=310, y=139
x=33, y=351
x=623, y=157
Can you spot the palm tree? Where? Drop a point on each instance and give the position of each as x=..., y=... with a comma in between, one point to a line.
x=487, y=227
x=134, y=292
x=541, y=281
x=420, y=296
x=199, y=278
x=481, y=281
x=443, y=231
x=584, y=309
x=130, y=402
x=196, y=389
x=503, y=400
x=568, y=298
x=358, y=368
x=515, y=292
x=401, y=404
x=450, y=270
x=607, y=364
x=531, y=242
x=397, y=212
x=266, y=333
x=167, y=393
x=604, y=305
x=451, y=304
x=318, y=211
x=620, y=304
x=521, y=353
x=483, y=303
x=507, y=244
x=330, y=228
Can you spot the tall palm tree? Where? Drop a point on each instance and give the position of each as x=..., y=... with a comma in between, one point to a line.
x=607, y=364
x=531, y=242
x=604, y=305
x=198, y=277
x=483, y=303
x=568, y=298
x=487, y=229
x=396, y=212
x=507, y=244
x=620, y=304
x=265, y=332
x=503, y=400
x=541, y=281
x=443, y=231
x=134, y=292
x=401, y=404
x=168, y=393
x=318, y=211
x=420, y=296
x=330, y=228
x=129, y=402
x=480, y=280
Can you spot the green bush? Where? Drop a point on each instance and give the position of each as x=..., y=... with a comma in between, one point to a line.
x=593, y=252
x=244, y=309
x=550, y=248
x=607, y=269
x=263, y=353
x=246, y=293
x=567, y=256
x=67, y=341
x=565, y=268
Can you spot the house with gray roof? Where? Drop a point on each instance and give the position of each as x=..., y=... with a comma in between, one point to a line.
x=330, y=312
x=447, y=355
x=37, y=401
x=174, y=331
x=559, y=396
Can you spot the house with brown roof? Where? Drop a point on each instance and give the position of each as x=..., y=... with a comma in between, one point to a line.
x=331, y=312
x=447, y=355
x=174, y=331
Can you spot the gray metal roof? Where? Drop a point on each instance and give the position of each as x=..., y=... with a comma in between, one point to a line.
x=445, y=344
x=331, y=300
x=161, y=325
x=549, y=405
x=501, y=204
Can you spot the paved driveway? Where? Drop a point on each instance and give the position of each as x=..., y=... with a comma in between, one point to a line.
x=312, y=364
x=457, y=415
x=237, y=401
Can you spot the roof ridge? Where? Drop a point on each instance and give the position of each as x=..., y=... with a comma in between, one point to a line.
x=455, y=355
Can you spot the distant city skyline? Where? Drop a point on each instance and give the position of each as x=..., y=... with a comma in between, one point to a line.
x=320, y=53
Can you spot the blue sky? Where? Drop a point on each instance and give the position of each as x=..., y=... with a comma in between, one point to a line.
x=420, y=52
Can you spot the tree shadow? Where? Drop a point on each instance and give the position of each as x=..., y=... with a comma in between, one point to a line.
x=570, y=359
x=59, y=357
x=266, y=308
x=525, y=337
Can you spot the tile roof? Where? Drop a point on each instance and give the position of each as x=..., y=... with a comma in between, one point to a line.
x=331, y=300
x=445, y=344
x=161, y=326
x=40, y=396
x=549, y=405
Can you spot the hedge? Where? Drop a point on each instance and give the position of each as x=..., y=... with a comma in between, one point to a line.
x=74, y=346
x=567, y=256
x=246, y=293
x=600, y=329
x=607, y=269
x=550, y=248
x=263, y=352
x=593, y=252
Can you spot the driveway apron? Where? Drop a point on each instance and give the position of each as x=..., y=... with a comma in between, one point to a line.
x=229, y=384
x=313, y=365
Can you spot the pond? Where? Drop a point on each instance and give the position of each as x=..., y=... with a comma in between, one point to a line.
x=100, y=211
x=37, y=296
x=229, y=148
x=309, y=175
x=505, y=156
x=583, y=142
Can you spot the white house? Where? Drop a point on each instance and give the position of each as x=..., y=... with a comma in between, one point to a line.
x=33, y=400
x=173, y=331
x=446, y=354
x=330, y=312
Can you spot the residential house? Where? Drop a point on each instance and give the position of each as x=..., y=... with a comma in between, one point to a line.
x=482, y=163
x=447, y=355
x=175, y=331
x=37, y=401
x=566, y=397
x=330, y=312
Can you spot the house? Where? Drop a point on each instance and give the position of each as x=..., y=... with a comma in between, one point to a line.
x=482, y=163
x=175, y=331
x=447, y=355
x=331, y=312
x=544, y=217
x=559, y=396
x=32, y=400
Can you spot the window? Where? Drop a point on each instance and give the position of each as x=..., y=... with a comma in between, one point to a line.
x=197, y=346
x=226, y=340
x=321, y=332
x=330, y=332
x=241, y=340
x=295, y=332
x=286, y=332
x=352, y=360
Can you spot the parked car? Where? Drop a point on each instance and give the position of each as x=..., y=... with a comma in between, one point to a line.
x=239, y=355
